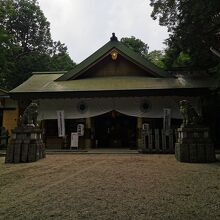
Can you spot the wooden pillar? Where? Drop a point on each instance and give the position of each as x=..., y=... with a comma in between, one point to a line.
x=88, y=141
x=139, y=135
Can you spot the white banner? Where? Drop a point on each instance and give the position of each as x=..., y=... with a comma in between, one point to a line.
x=74, y=140
x=61, y=123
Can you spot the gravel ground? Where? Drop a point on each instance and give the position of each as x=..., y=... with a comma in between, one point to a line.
x=109, y=186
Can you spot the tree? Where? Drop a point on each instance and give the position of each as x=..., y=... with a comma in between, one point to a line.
x=29, y=46
x=136, y=44
x=26, y=23
x=194, y=27
x=157, y=58
x=4, y=40
x=60, y=59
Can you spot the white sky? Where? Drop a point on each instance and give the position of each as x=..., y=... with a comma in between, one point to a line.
x=86, y=25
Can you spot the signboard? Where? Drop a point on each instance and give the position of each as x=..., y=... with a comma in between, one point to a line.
x=166, y=118
x=74, y=140
x=61, y=123
x=80, y=129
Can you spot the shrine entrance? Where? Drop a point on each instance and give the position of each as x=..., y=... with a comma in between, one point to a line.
x=115, y=130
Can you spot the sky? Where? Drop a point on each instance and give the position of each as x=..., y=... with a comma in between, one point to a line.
x=86, y=25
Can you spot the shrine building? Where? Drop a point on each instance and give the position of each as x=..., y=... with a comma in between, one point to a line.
x=109, y=99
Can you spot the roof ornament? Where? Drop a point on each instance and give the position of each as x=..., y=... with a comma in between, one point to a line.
x=113, y=38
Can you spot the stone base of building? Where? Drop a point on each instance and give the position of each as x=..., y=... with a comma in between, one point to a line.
x=26, y=146
x=194, y=146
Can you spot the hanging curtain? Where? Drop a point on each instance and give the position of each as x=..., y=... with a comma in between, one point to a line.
x=150, y=107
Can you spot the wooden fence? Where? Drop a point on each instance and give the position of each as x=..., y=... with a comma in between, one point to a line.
x=158, y=141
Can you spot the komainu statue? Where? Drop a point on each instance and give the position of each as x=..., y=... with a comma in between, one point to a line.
x=190, y=116
x=29, y=117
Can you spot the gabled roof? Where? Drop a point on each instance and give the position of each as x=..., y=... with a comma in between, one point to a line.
x=124, y=51
x=75, y=84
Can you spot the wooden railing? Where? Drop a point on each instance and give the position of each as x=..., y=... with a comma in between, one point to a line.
x=158, y=141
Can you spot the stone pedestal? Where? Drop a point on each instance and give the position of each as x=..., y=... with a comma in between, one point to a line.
x=26, y=146
x=194, y=145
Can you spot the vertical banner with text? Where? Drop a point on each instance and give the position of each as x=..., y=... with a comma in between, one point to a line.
x=61, y=123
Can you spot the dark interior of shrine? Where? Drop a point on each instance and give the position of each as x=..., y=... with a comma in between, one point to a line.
x=115, y=130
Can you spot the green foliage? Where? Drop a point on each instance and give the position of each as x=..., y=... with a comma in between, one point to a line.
x=26, y=44
x=136, y=44
x=4, y=40
x=194, y=27
x=157, y=58
x=24, y=20
x=182, y=60
x=61, y=61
